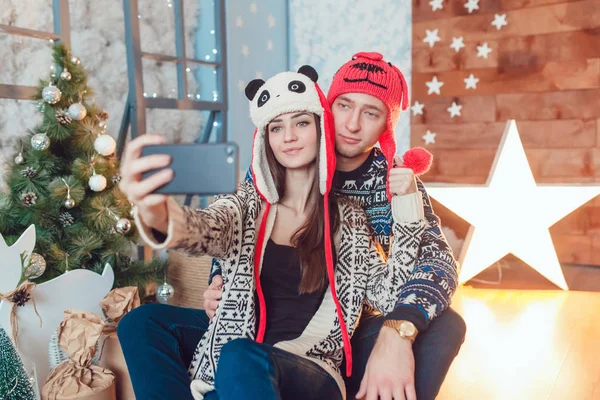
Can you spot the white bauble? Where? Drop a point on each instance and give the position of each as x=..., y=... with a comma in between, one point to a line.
x=105, y=145
x=97, y=183
x=77, y=111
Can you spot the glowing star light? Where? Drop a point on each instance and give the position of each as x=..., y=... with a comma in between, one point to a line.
x=510, y=213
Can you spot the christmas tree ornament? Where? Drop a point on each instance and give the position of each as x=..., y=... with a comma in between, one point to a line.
x=66, y=219
x=65, y=75
x=19, y=159
x=40, y=142
x=28, y=172
x=75, y=60
x=116, y=179
x=69, y=202
x=62, y=117
x=53, y=71
x=51, y=94
x=102, y=116
x=165, y=292
x=123, y=226
x=102, y=126
x=77, y=111
x=28, y=199
x=97, y=182
x=105, y=145
x=36, y=266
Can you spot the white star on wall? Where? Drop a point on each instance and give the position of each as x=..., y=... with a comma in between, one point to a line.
x=245, y=50
x=432, y=37
x=269, y=45
x=471, y=82
x=429, y=137
x=241, y=85
x=457, y=43
x=454, y=110
x=483, y=51
x=239, y=22
x=271, y=21
x=253, y=8
x=472, y=5
x=436, y=4
x=417, y=109
x=433, y=86
x=511, y=213
x=499, y=21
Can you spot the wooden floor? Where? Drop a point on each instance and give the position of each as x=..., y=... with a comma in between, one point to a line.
x=526, y=345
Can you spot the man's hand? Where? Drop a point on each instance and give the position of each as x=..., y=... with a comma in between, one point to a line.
x=390, y=372
x=212, y=296
x=402, y=180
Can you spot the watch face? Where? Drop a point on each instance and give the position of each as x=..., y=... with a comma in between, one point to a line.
x=407, y=328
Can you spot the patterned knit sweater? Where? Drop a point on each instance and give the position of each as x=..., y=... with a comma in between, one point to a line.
x=227, y=230
x=428, y=290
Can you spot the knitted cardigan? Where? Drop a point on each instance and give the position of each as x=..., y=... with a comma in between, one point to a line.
x=227, y=230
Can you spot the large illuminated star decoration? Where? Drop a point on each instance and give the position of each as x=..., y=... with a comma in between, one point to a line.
x=510, y=213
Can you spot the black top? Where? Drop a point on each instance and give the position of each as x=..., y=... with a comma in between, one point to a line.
x=288, y=313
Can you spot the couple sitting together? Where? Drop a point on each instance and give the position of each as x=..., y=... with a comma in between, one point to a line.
x=332, y=277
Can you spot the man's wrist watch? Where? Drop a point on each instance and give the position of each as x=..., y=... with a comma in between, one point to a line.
x=406, y=329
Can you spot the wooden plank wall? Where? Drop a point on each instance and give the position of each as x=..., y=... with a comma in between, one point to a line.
x=544, y=72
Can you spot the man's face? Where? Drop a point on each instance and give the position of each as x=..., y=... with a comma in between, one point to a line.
x=360, y=119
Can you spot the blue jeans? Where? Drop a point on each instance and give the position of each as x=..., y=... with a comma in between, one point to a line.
x=434, y=351
x=158, y=342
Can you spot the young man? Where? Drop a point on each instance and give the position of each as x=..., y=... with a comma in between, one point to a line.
x=407, y=354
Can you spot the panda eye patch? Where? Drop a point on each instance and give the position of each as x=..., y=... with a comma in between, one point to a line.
x=264, y=97
x=297, y=87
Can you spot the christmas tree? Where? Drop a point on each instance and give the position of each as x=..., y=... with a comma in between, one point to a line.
x=14, y=382
x=64, y=180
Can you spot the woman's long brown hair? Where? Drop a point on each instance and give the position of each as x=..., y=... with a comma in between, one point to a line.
x=309, y=238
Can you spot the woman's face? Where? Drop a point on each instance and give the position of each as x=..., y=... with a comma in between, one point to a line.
x=293, y=139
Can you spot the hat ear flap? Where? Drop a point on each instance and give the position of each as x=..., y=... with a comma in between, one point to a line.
x=310, y=72
x=253, y=87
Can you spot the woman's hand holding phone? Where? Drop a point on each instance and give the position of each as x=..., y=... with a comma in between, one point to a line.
x=152, y=208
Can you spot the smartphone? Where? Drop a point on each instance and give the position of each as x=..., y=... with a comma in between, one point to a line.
x=199, y=169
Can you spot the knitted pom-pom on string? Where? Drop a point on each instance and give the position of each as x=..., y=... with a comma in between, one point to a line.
x=418, y=159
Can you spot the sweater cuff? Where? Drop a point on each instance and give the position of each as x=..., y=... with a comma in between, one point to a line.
x=408, y=208
x=155, y=239
x=408, y=313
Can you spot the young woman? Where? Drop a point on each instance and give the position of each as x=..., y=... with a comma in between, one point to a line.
x=282, y=328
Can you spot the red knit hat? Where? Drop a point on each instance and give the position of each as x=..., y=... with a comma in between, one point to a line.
x=368, y=73
x=284, y=93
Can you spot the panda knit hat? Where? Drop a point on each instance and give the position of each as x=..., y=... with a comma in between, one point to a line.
x=370, y=74
x=284, y=93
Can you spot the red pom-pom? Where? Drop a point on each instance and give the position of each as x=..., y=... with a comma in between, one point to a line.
x=418, y=159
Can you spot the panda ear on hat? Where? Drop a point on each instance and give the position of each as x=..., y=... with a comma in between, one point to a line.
x=310, y=72
x=253, y=87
